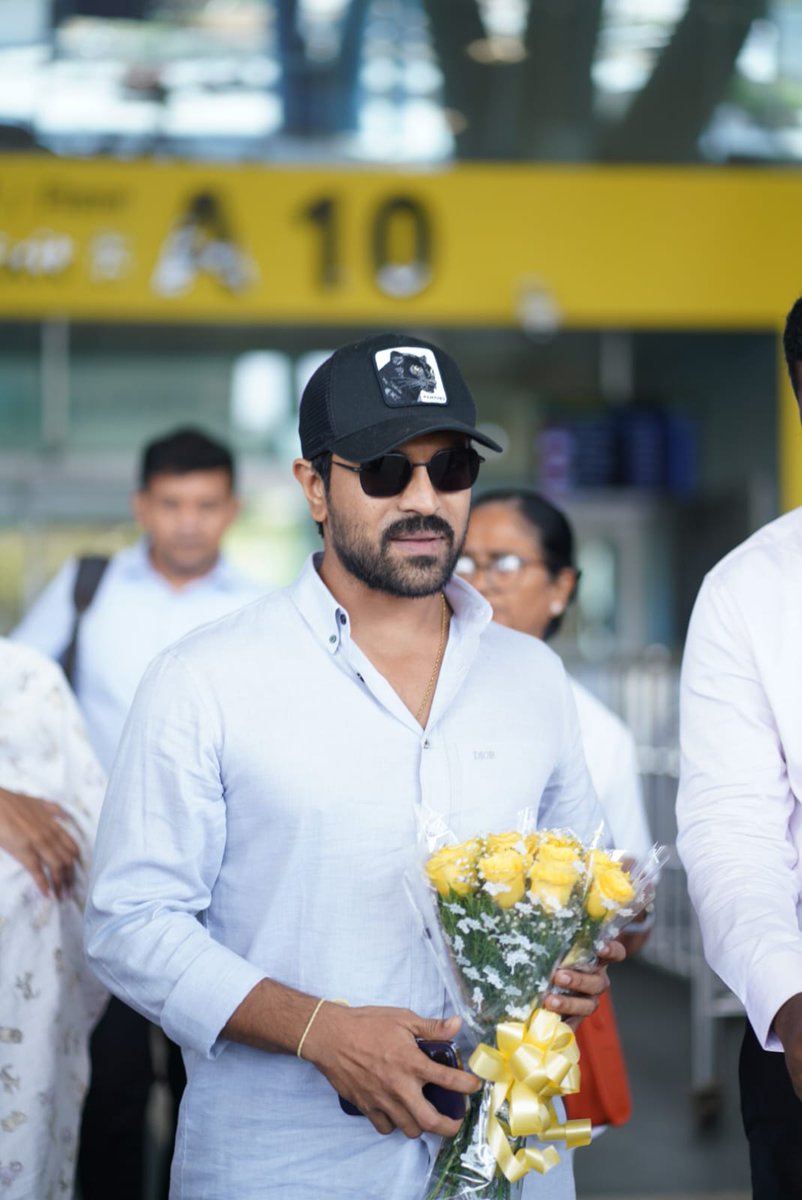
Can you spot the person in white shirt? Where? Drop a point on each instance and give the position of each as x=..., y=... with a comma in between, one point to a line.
x=740, y=818
x=149, y=596
x=261, y=811
x=152, y=593
x=51, y=788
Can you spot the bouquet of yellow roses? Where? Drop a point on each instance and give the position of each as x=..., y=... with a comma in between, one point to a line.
x=511, y=907
x=618, y=890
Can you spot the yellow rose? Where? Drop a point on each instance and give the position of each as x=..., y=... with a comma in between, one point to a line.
x=503, y=841
x=610, y=890
x=532, y=842
x=453, y=869
x=551, y=880
x=558, y=841
x=599, y=860
x=504, y=874
x=559, y=852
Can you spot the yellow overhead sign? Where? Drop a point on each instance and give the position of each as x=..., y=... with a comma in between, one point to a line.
x=472, y=245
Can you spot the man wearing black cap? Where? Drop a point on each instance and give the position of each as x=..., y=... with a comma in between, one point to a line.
x=248, y=889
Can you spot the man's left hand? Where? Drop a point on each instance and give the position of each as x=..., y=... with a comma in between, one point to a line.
x=585, y=986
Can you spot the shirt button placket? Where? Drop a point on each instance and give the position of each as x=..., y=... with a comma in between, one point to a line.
x=435, y=785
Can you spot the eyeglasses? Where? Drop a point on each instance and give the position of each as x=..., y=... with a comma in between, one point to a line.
x=450, y=470
x=503, y=567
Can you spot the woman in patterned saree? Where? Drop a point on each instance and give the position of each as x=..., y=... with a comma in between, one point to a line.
x=51, y=789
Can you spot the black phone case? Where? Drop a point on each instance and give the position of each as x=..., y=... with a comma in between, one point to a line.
x=450, y=1104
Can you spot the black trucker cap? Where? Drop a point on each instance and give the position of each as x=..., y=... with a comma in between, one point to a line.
x=369, y=397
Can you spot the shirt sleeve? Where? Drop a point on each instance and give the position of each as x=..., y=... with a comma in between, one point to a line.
x=569, y=801
x=84, y=779
x=159, y=849
x=47, y=625
x=733, y=812
x=623, y=800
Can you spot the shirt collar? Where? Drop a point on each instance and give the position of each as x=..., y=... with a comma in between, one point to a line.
x=329, y=620
x=136, y=564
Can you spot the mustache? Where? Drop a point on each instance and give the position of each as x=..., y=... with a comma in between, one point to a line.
x=415, y=526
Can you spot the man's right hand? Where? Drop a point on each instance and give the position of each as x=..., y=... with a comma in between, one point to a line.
x=370, y=1056
x=33, y=832
x=788, y=1027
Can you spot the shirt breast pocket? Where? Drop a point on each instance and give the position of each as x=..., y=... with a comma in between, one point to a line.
x=496, y=781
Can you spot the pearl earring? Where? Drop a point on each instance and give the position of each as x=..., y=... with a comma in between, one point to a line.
x=555, y=608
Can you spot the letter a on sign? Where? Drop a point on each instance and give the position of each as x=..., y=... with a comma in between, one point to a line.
x=201, y=242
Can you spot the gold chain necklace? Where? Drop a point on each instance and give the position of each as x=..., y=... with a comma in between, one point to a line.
x=441, y=649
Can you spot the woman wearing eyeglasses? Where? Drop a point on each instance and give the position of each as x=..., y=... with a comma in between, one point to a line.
x=519, y=553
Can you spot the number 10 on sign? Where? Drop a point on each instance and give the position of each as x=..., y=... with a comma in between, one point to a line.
x=398, y=245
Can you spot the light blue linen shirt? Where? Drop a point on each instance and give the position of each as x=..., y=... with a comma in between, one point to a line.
x=135, y=614
x=258, y=822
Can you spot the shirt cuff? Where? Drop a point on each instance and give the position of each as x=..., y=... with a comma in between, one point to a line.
x=781, y=978
x=204, y=998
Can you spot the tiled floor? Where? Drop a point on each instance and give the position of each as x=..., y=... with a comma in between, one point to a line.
x=663, y=1152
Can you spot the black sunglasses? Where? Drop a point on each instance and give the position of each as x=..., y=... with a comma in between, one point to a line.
x=451, y=470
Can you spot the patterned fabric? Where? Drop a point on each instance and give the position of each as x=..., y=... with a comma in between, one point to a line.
x=49, y=999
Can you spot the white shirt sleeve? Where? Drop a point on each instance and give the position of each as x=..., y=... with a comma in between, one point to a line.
x=569, y=800
x=612, y=760
x=47, y=625
x=623, y=804
x=160, y=844
x=733, y=813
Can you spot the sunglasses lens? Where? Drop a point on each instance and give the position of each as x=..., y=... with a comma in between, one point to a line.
x=385, y=476
x=454, y=470
x=449, y=471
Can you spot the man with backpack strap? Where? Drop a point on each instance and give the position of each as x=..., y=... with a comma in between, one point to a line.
x=104, y=620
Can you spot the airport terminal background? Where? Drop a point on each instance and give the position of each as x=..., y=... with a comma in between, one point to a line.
x=654, y=443
x=629, y=365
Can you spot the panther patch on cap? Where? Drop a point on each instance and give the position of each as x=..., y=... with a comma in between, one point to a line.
x=409, y=375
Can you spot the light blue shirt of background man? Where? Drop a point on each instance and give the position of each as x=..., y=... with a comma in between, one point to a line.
x=152, y=593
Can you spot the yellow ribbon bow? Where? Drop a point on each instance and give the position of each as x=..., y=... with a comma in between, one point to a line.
x=532, y=1062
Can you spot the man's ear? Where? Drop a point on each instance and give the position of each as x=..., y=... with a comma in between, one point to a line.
x=313, y=488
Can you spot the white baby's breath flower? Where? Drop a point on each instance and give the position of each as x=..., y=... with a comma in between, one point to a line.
x=516, y=958
x=516, y=939
x=469, y=925
x=492, y=976
x=519, y=1013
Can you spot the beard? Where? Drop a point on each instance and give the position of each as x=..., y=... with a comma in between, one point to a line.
x=410, y=577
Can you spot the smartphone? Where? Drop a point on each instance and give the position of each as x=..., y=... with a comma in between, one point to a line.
x=450, y=1104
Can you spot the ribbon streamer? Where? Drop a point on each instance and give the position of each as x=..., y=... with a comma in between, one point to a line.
x=531, y=1063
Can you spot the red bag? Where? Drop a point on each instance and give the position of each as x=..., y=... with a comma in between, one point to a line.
x=604, y=1095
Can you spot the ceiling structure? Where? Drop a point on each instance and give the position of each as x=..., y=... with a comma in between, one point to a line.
x=405, y=81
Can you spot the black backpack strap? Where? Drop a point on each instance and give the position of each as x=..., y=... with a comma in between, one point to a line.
x=87, y=580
